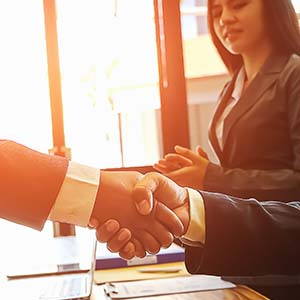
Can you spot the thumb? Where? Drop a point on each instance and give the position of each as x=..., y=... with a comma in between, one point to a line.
x=201, y=152
x=159, y=186
x=142, y=196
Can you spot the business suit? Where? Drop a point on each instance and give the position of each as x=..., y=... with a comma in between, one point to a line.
x=247, y=240
x=30, y=182
x=247, y=237
x=261, y=138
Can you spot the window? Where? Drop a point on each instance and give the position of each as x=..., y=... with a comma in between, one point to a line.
x=24, y=96
x=118, y=108
x=110, y=81
x=296, y=4
x=205, y=72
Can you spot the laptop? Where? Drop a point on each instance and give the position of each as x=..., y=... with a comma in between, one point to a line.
x=69, y=281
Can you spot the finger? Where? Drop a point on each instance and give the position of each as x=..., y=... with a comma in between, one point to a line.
x=164, y=169
x=107, y=230
x=201, y=152
x=139, y=249
x=194, y=157
x=161, y=168
x=170, y=220
x=93, y=223
x=179, y=160
x=159, y=231
x=168, y=165
x=149, y=243
x=128, y=251
x=119, y=240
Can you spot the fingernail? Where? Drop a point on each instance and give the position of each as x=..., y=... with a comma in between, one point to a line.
x=123, y=235
x=181, y=149
x=144, y=206
x=112, y=226
x=93, y=223
x=127, y=248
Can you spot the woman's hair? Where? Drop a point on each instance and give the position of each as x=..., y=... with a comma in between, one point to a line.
x=282, y=26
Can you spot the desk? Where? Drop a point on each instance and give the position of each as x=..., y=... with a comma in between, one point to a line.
x=238, y=293
x=132, y=273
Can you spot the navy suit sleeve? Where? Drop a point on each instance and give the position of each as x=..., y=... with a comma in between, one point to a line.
x=247, y=237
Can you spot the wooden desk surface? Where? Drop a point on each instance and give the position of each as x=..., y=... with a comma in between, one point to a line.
x=238, y=293
x=133, y=273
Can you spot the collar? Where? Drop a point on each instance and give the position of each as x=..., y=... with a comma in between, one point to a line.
x=239, y=84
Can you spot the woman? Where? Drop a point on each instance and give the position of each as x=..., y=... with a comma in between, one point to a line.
x=255, y=131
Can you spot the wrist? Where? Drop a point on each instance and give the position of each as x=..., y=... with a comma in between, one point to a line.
x=183, y=211
x=186, y=208
x=196, y=228
x=203, y=173
x=96, y=215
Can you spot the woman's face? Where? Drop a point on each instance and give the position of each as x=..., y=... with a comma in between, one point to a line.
x=239, y=24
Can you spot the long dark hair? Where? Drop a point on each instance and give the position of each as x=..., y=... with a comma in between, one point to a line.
x=282, y=25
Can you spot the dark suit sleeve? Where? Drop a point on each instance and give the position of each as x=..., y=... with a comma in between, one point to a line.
x=280, y=184
x=277, y=184
x=30, y=182
x=247, y=237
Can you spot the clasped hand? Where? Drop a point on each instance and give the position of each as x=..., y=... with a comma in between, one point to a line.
x=185, y=167
x=136, y=214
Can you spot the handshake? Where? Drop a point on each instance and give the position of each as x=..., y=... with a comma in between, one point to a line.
x=136, y=214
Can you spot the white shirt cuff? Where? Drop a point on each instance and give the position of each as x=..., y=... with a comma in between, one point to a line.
x=196, y=229
x=75, y=201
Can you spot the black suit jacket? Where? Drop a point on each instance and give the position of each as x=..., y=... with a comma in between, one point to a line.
x=247, y=237
x=261, y=153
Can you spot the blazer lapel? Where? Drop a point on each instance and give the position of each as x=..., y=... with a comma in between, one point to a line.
x=223, y=99
x=263, y=80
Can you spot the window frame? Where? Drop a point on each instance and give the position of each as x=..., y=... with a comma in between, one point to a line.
x=172, y=84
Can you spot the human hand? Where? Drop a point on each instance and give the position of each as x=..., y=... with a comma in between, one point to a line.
x=185, y=167
x=114, y=201
x=152, y=187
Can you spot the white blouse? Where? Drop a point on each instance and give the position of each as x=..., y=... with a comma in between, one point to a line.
x=236, y=95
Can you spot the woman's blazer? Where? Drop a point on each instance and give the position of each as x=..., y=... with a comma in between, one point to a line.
x=261, y=153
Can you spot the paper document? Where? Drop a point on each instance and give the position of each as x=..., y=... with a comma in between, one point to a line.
x=185, y=284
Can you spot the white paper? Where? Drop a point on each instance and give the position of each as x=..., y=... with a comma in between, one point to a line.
x=184, y=284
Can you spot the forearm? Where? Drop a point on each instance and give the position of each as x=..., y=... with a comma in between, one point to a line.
x=30, y=183
x=281, y=185
x=245, y=237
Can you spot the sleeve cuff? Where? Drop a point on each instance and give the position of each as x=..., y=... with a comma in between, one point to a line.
x=75, y=201
x=196, y=230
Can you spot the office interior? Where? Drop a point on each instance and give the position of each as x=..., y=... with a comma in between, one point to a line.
x=114, y=84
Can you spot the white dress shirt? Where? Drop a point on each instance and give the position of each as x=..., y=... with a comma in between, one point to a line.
x=236, y=95
x=75, y=201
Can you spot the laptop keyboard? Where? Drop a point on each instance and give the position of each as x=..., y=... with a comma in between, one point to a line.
x=69, y=288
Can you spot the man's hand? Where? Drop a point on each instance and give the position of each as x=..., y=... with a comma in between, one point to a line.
x=155, y=187
x=185, y=167
x=146, y=233
x=152, y=188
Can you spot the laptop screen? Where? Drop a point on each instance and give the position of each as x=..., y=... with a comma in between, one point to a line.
x=65, y=283
x=59, y=255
